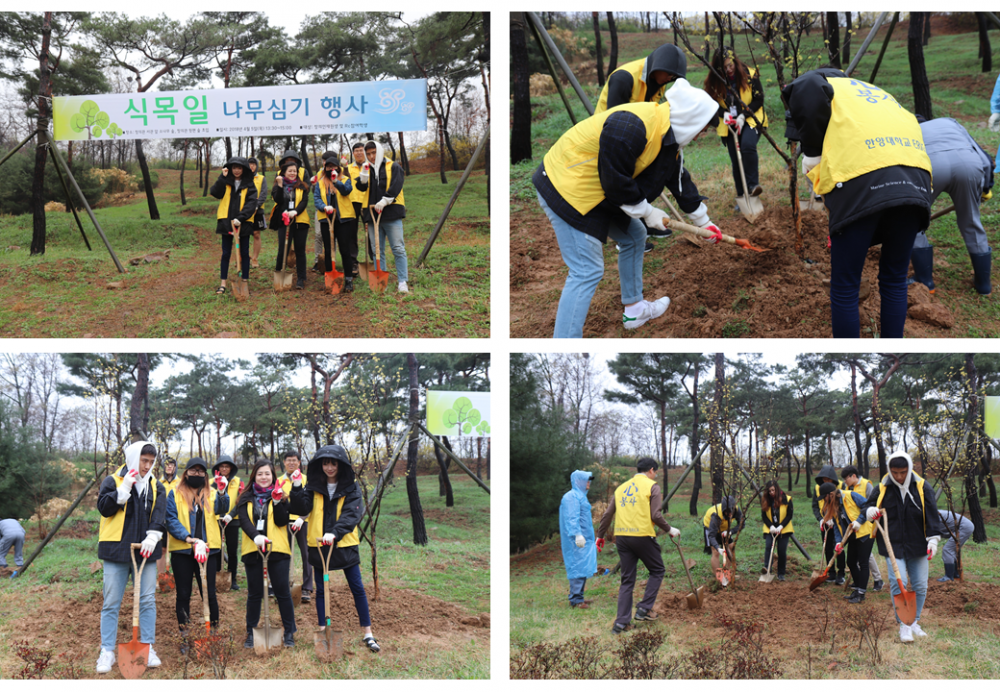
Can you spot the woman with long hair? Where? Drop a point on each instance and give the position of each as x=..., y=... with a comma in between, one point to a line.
x=291, y=200
x=741, y=97
x=332, y=197
x=776, y=514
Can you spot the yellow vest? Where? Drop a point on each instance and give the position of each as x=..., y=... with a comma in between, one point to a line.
x=920, y=491
x=277, y=534
x=354, y=170
x=632, y=514
x=233, y=491
x=366, y=202
x=258, y=181
x=713, y=511
x=315, y=523
x=822, y=502
x=286, y=485
x=167, y=487
x=223, y=211
x=344, y=205
x=746, y=95
x=634, y=68
x=112, y=527
x=571, y=164
x=868, y=131
x=212, y=530
x=786, y=528
x=852, y=509
x=304, y=216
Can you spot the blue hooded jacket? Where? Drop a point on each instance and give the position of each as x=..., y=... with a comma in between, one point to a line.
x=575, y=520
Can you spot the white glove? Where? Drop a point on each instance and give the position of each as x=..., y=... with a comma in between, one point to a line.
x=656, y=218
x=226, y=519
x=328, y=539
x=236, y=223
x=328, y=210
x=809, y=163
x=740, y=120
x=722, y=552
x=149, y=543
x=364, y=173
x=297, y=524
x=829, y=523
x=383, y=203
x=995, y=122
x=296, y=478
x=637, y=211
x=699, y=217
x=580, y=542
x=872, y=514
x=725, y=534
x=201, y=551
x=855, y=526
x=932, y=544
x=260, y=541
x=674, y=532
x=125, y=489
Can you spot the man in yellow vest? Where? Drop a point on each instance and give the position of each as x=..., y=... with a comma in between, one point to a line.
x=133, y=509
x=231, y=530
x=381, y=183
x=637, y=512
x=298, y=527
x=865, y=154
x=358, y=199
x=859, y=544
x=855, y=483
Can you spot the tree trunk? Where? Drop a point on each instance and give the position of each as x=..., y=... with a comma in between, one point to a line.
x=597, y=49
x=183, y=166
x=833, y=36
x=985, y=49
x=412, y=492
x=613, y=56
x=451, y=150
x=973, y=450
x=208, y=166
x=229, y=148
x=404, y=160
x=520, y=130
x=848, y=30
x=695, y=446
x=444, y=480
x=918, y=70
x=41, y=144
x=862, y=462
x=154, y=213
x=714, y=425
x=927, y=28
x=138, y=411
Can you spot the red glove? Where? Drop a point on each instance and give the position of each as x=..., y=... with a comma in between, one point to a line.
x=241, y=487
x=296, y=477
x=838, y=549
x=600, y=544
x=220, y=482
x=716, y=233
x=277, y=494
x=312, y=181
x=828, y=242
x=286, y=218
x=333, y=174
x=366, y=168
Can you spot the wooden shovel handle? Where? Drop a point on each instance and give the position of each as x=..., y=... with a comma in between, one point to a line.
x=137, y=582
x=701, y=232
x=888, y=546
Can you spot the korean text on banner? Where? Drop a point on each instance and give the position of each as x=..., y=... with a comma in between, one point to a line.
x=459, y=413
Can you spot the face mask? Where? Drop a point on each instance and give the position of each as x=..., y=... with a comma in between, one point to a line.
x=196, y=482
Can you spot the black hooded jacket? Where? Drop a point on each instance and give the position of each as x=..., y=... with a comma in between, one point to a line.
x=663, y=59
x=909, y=525
x=248, y=522
x=236, y=211
x=137, y=523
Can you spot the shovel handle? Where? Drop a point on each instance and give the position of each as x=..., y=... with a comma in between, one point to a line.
x=888, y=546
x=683, y=562
x=701, y=232
x=137, y=582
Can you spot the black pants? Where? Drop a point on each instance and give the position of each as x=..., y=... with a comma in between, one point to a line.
x=234, y=539
x=300, y=232
x=347, y=242
x=631, y=551
x=227, y=252
x=831, y=543
x=782, y=550
x=187, y=571
x=277, y=572
x=300, y=538
x=858, y=552
x=748, y=149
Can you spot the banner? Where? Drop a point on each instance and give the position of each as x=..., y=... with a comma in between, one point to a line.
x=459, y=413
x=299, y=109
x=992, y=417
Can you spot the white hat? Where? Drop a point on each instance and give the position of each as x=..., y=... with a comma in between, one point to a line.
x=691, y=109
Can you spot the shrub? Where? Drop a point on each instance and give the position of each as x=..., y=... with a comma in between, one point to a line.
x=16, y=179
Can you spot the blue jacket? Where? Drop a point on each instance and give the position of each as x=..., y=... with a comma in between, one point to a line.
x=575, y=520
x=995, y=99
x=345, y=188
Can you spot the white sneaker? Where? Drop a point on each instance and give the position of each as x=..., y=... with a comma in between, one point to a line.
x=403, y=288
x=106, y=661
x=905, y=633
x=917, y=631
x=650, y=311
x=153, y=661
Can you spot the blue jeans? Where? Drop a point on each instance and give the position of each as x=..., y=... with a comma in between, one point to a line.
x=353, y=576
x=115, y=581
x=576, y=587
x=5, y=544
x=914, y=568
x=394, y=231
x=584, y=255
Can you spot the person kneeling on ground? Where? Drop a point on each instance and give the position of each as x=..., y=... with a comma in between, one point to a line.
x=133, y=510
x=637, y=511
x=237, y=195
x=776, y=513
x=598, y=181
x=954, y=525
x=382, y=180
x=576, y=534
x=914, y=531
x=722, y=525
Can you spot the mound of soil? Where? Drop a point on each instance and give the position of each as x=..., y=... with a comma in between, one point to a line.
x=536, y=557
x=715, y=291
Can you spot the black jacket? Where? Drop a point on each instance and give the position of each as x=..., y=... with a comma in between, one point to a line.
x=137, y=523
x=393, y=211
x=236, y=211
x=246, y=512
x=281, y=205
x=909, y=527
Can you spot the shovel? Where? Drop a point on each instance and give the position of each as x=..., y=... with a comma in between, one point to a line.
x=696, y=597
x=240, y=288
x=297, y=589
x=334, y=279
x=363, y=267
x=265, y=638
x=724, y=574
x=741, y=242
x=202, y=647
x=905, y=601
x=750, y=207
x=285, y=277
x=133, y=656
x=329, y=643
x=768, y=578
x=819, y=579
x=378, y=278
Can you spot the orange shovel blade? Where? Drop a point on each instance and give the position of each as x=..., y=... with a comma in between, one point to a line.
x=334, y=282
x=378, y=280
x=133, y=657
x=906, y=605
x=745, y=244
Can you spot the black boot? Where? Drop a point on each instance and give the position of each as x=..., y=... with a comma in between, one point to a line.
x=234, y=586
x=981, y=265
x=300, y=284
x=922, y=259
x=857, y=597
x=289, y=639
x=949, y=572
x=348, y=284
x=248, y=644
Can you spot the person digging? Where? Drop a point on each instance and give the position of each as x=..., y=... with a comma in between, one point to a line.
x=776, y=512
x=722, y=526
x=955, y=525
x=576, y=535
x=854, y=482
x=636, y=513
x=827, y=533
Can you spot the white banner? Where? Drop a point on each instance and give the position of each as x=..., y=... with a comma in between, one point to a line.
x=459, y=413
x=300, y=109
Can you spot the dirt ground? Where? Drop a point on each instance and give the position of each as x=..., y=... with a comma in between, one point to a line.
x=722, y=291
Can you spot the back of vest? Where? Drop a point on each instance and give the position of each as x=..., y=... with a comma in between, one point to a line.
x=632, y=515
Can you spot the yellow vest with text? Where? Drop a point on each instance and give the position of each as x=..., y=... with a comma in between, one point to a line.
x=344, y=205
x=354, y=170
x=571, y=164
x=920, y=491
x=315, y=524
x=112, y=527
x=212, y=530
x=852, y=509
x=258, y=182
x=746, y=95
x=223, y=211
x=277, y=534
x=632, y=514
x=365, y=202
x=786, y=528
x=639, y=87
x=868, y=131
x=716, y=510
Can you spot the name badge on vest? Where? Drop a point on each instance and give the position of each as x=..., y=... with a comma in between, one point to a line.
x=260, y=524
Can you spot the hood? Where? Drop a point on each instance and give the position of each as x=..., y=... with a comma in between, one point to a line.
x=225, y=459
x=728, y=503
x=132, y=464
x=691, y=109
x=792, y=132
x=238, y=161
x=289, y=154
x=667, y=58
x=904, y=487
x=316, y=479
x=379, y=158
x=578, y=480
x=827, y=472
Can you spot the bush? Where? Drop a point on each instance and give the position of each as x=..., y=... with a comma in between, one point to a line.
x=16, y=179
x=133, y=168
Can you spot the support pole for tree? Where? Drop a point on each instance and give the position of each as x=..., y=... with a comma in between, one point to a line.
x=677, y=483
x=55, y=529
x=17, y=148
x=993, y=18
x=86, y=205
x=454, y=458
x=885, y=44
x=72, y=207
x=864, y=46
x=552, y=71
x=533, y=18
x=454, y=196
x=376, y=496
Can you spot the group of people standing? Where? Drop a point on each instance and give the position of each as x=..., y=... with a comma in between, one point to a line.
x=260, y=521
x=847, y=511
x=369, y=189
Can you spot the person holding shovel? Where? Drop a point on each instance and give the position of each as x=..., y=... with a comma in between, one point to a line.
x=237, y=197
x=291, y=200
x=737, y=89
x=956, y=526
x=262, y=509
x=133, y=510
x=722, y=525
x=332, y=501
x=332, y=197
x=828, y=530
x=914, y=531
x=169, y=480
x=637, y=512
x=234, y=486
x=859, y=543
x=298, y=527
x=597, y=182
x=865, y=154
x=776, y=511
x=576, y=535
x=854, y=482
x=257, y=222
x=358, y=199
x=381, y=180
x=193, y=511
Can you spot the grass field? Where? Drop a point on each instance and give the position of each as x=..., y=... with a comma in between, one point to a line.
x=64, y=293
x=808, y=634
x=431, y=617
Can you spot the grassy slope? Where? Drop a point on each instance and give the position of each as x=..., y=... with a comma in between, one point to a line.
x=958, y=90
x=62, y=572
x=539, y=610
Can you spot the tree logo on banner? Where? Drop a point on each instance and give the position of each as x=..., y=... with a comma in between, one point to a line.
x=95, y=121
x=464, y=417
